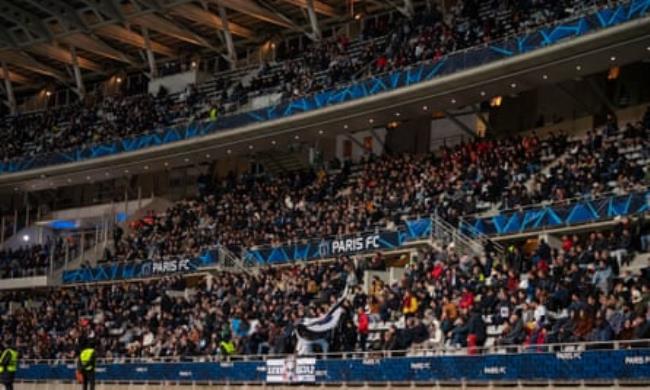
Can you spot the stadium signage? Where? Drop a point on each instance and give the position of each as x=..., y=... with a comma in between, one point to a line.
x=300, y=370
x=623, y=364
x=172, y=266
x=326, y=247
x=356, y=244
x=140, y=270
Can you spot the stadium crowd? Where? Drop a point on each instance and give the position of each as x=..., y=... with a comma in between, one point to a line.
x=242, y=212
x=93, y=122
x=445, y=300
x=33, y=260
x=256, y=210
x=429, y=35
x=453, y=182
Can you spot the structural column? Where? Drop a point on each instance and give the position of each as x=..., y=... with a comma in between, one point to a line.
x=11, y=99
x=153, y=70
x=230, y=46
x=409, y=10
x=81, y=90
x=313, y=20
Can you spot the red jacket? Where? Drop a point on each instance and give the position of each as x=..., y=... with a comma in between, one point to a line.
x=363, y=323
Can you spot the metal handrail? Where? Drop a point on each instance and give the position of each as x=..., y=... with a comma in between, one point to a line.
x=412, y=352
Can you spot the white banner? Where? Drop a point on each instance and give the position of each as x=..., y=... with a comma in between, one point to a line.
x=291, y=370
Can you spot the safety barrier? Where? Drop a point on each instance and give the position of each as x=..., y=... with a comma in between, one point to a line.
x=469, y=237
x=568, y=213
x=578, y=363
x=470, y=58
x=141, y=269
x=326, y=247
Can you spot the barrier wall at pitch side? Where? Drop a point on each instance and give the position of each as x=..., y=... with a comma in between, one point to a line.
x=603, y=365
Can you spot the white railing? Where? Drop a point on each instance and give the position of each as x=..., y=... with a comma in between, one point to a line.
x=379, y=354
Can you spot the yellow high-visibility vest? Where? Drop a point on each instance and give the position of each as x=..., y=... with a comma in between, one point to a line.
x=85, y=357
x=13, y=360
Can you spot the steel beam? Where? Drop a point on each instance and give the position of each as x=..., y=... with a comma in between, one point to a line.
x=62, y=55
x=575, y=99
x=9, y=90
x=23, y=60
x=600, y=94
x=132, y=38
x=108, y=8
x=151, y=60
x=460, y=124
x=409, y=9
x=313, y=20
x=481, y=117
x=81, y=89
x=250, y=8
x=320, y=7
x=232, y=53
x=63, y=12
x=373, y=131
x=27, y=21
x=207, y=18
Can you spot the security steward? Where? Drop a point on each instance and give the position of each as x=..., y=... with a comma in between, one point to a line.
x=8, y=367
x=86, y=366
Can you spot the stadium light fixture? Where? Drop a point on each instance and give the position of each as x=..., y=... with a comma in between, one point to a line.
x=397, y=114
x=483, y=93
x=453, y=101
x=578, y=68
x=425, y=108
x=545, y=76
x=371, y=120
x=513, y=85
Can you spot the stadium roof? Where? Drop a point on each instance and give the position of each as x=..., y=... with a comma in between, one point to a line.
x=43, y=40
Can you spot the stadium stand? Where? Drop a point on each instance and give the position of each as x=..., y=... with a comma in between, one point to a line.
x=323, y=65
x=421, y=221
x=445, y=299
x=577, y=293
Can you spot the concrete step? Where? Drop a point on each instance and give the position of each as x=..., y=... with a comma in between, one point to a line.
x=640, y=261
